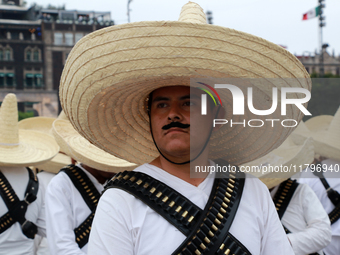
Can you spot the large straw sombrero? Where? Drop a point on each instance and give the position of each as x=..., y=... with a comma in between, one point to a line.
x=325, y=130
x=110, y=72
x=55, y=164
x=22, y=147
x=83, y=151
x=44, y=124
x=290, y=158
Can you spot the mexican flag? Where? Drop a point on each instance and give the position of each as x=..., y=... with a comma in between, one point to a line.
x=311, y=13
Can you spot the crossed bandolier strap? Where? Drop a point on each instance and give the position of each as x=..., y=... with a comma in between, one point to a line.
x=332, y=194
x=16, y=208
x=207, y=230
x=91, y=197
x=282, y=198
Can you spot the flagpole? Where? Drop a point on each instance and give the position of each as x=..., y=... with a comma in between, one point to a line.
x=321, y=24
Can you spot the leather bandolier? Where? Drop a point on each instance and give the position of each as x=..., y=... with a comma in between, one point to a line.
x=282, y=198
x=91, y=197
x=332, y=194
x=206, y=231
x=16, y=208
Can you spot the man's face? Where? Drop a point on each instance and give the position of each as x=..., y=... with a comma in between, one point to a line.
x=175, y=114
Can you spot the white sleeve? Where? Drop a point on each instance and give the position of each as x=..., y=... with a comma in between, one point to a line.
x=59, y=227
x=274, y=239
x=41, y=221
x=110, y=232
x=318, y=234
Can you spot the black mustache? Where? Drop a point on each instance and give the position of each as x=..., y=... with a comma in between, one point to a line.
x=175, y=124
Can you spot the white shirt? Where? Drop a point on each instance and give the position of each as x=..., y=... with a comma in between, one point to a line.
x=13, y=241
x=123, y=225
x=333, y=180
x=40, y=243
x=307, y=220
x=65, y=211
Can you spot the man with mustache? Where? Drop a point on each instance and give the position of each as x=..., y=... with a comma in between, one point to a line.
x=138, y=102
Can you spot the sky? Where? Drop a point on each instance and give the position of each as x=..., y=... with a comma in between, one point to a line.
x=279, y=21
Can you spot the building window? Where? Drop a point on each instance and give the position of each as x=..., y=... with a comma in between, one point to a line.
x=29, y=80
x=28, y=55
x=78, y=36
x=32, y=54
x=36, y=56
x=6, y=79
x=8, y=35
x=1, y=54
x=8, y=54
x=10, y=79
x=21, y=36
x=58, y=38
x=38, y=80
x=69, y=39
x=33, y=80
x=2, y=80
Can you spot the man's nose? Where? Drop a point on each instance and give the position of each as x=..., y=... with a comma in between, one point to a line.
x=174, y=113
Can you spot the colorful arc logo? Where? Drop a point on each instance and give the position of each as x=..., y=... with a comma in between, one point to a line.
x=208, y=92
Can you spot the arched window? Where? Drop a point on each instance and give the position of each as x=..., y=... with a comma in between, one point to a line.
x=28, y=55
x=8, y=54
x=36, y=55
x=1, y=54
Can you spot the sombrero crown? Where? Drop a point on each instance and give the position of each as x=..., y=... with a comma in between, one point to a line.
x=22, y=147
x=110, y=72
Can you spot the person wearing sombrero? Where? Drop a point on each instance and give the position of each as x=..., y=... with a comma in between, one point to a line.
x=21, y=203
x=302, y=215
x=72, y=195
x=127, y=90
x=46, y=171
x=323, y=175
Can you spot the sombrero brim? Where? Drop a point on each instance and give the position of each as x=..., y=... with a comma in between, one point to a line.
x=324, y=145
x=55, y=164
x=291, y=155
x=42, y=124
x=110, y=72
x=83, y=151
x=34, y=148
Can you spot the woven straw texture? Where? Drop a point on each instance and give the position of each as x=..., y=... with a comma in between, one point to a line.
x=291, y=154
x=83, y=151
x=22, y=147
x=110, y=72
x=42, y=124
x=55, y=164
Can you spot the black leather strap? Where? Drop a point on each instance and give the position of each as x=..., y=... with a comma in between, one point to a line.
x=332, y=194
x=212, y=235
x=91, y=196
x=206, y=230
x=283, y=196
x=16, y=208
x=167, y=202
x=334, y=215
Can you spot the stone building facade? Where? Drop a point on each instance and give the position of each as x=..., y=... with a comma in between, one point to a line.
x=34, y=45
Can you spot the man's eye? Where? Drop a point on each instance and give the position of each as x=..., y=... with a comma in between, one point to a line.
x=188, y=103
x=161, y=105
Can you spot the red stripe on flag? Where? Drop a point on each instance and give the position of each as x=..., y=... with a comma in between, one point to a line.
x=304, y=17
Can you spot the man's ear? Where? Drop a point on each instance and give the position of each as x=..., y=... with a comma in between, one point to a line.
x=220, y=114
